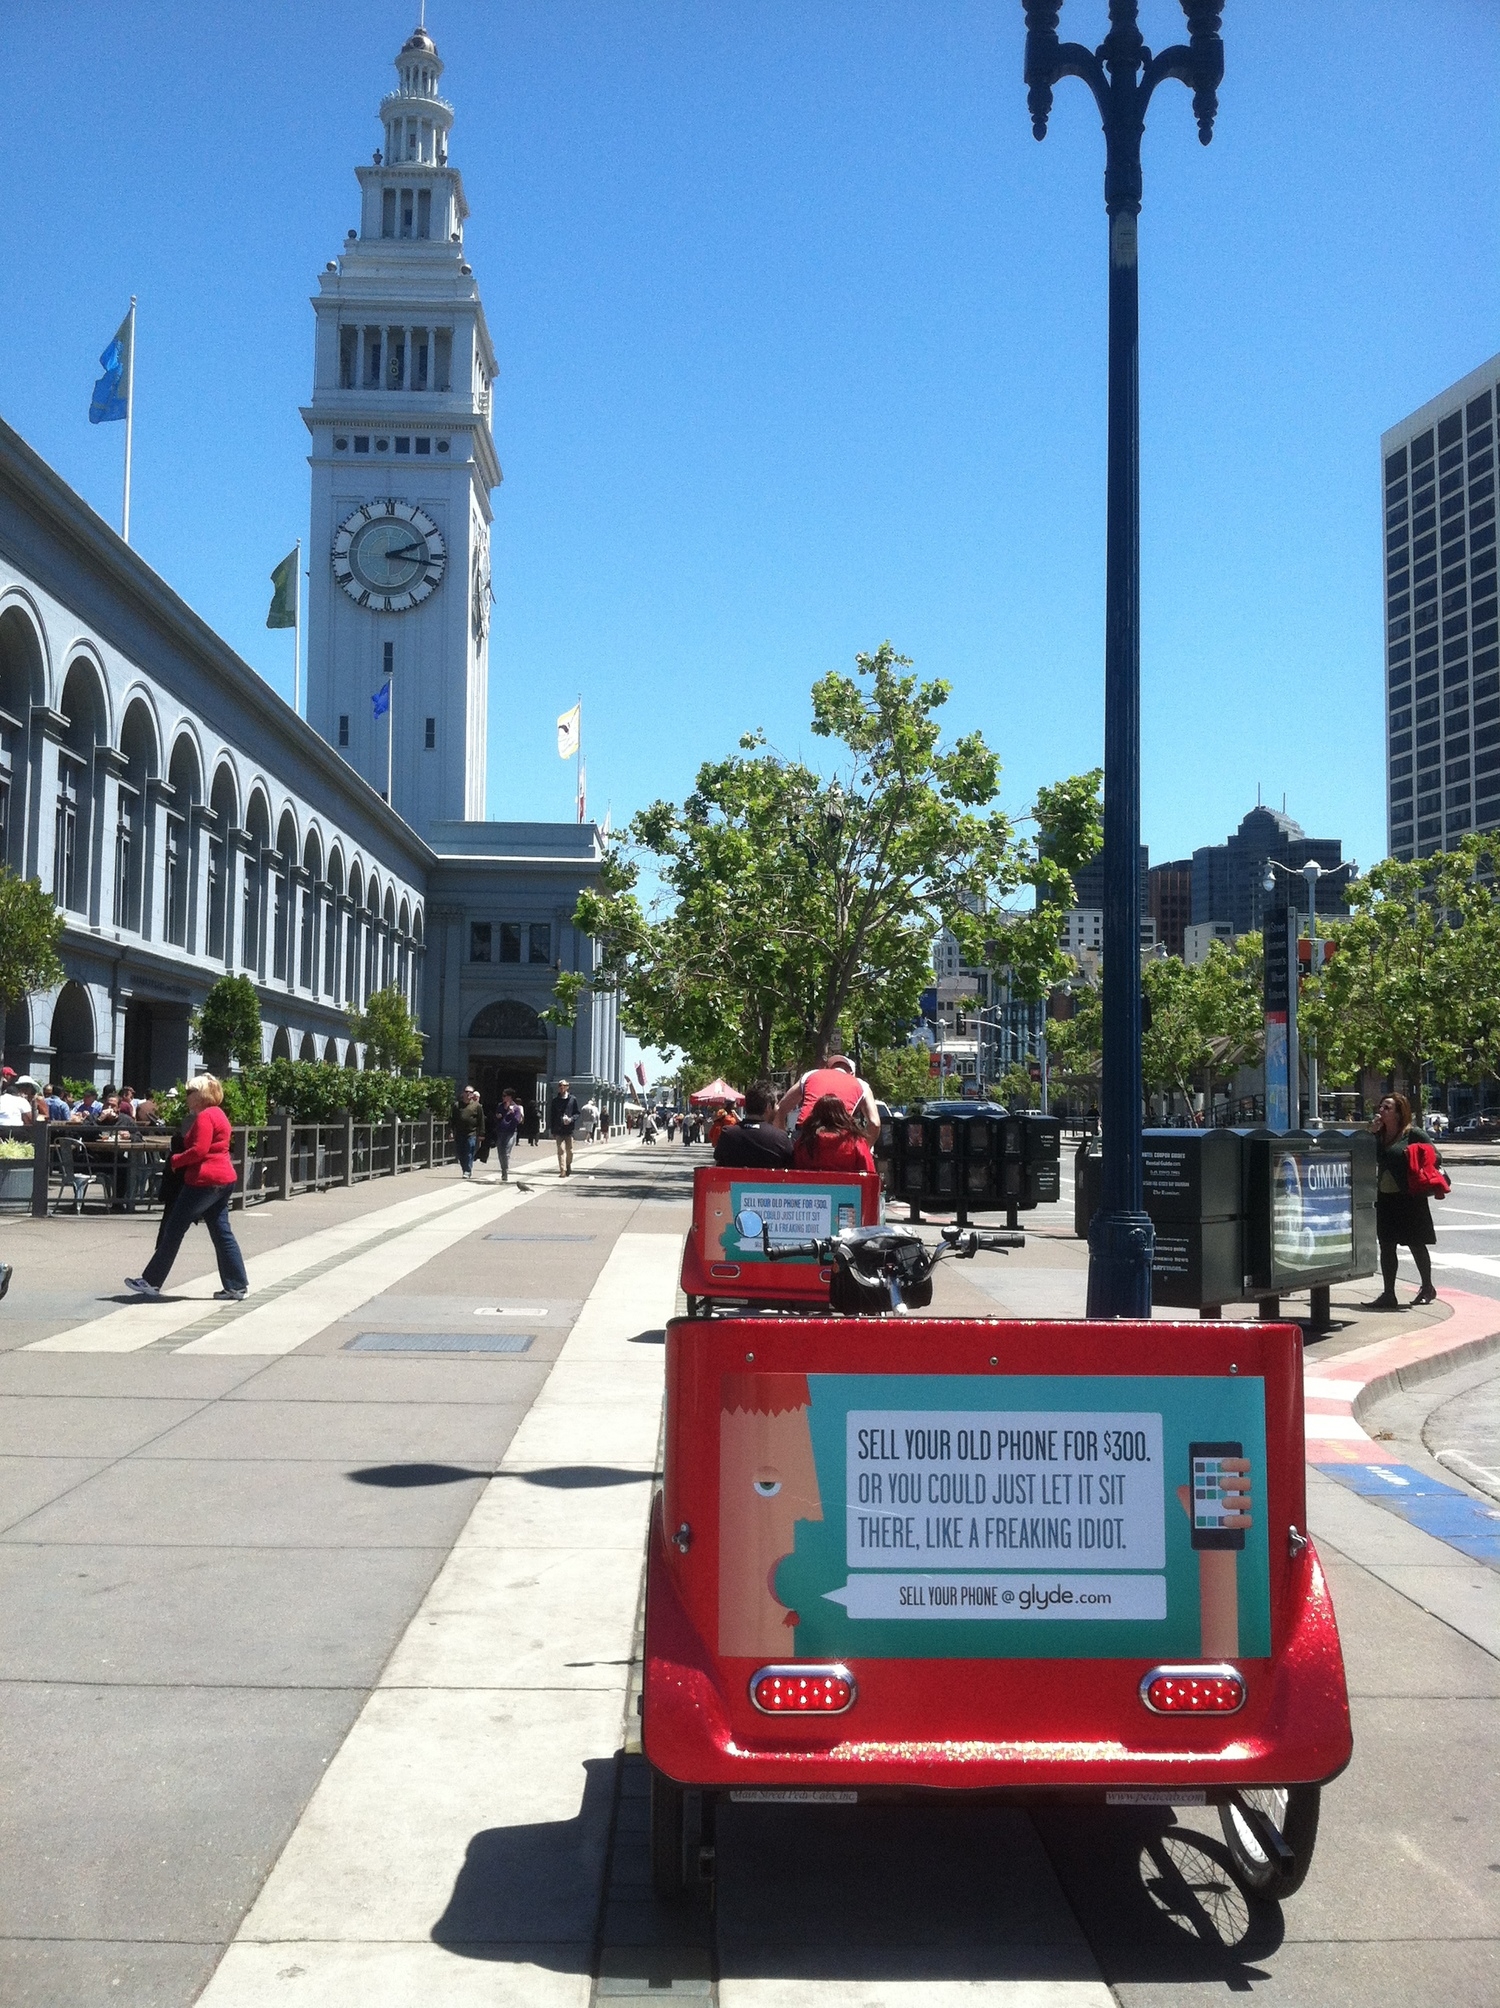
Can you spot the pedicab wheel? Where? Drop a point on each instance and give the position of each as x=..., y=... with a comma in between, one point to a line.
x=699, y=1307
x=668, y=1836
x=1288, y=1813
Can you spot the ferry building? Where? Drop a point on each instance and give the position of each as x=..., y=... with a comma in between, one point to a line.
x=188, y=822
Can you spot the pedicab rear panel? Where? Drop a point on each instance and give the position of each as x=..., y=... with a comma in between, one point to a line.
x=797, y=1206
x=966, y=1544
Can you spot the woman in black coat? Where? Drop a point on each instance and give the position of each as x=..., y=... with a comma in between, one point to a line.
x=1403, y=1218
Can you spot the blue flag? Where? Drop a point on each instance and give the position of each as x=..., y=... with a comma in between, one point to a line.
x=382, y=700
x=109, y=399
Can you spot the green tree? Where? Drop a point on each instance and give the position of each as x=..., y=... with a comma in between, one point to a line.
x=30, y=929
x=1016, y=1089
x=796, y=908
x=227, y=1027
x=899, y=1074
x=385, y=1029
x=1413, y=982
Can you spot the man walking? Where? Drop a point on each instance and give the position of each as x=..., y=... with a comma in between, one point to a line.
x=468, y=1127
x=562, y=1121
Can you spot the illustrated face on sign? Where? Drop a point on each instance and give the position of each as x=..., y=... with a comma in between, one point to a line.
x=767, y=1483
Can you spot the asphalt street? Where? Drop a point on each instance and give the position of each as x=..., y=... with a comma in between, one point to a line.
x=318, y=1671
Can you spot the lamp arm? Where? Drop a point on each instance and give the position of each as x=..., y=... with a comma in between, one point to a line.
x=1199, y=65
x=1048, y=60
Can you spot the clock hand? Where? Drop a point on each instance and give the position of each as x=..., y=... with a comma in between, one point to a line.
x=408, y=551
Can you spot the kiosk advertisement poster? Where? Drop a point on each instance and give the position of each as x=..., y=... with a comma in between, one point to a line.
x=1312, y=1212
x=992, y=1517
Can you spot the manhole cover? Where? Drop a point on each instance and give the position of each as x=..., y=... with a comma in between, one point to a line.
x=440, y=1342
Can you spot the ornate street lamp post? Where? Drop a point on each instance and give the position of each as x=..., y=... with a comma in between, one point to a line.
x=1122, y=73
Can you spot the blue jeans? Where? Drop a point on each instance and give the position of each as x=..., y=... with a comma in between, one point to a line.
x=210, y=1204
x=468, y=1143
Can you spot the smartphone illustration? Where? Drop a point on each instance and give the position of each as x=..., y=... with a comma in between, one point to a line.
x=846, y=1218
x=1208, y=1481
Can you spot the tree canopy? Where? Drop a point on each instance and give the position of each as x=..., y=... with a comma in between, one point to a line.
x=795, y=908
x=1413, y=980
x=30, y=929
x=385, y=1029
x=227, y=1027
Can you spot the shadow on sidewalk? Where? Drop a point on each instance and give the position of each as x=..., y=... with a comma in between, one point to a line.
x=530, y=1894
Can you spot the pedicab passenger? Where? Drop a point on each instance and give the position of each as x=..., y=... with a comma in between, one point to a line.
x=756, y=1141
x=827, y=1140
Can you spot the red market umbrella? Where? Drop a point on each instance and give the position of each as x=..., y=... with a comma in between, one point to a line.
x=716, y=1091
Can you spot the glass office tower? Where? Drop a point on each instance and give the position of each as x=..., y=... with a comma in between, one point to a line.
x=1442, y=660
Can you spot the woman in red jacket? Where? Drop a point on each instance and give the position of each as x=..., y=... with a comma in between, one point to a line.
x=827, y=1140
x=208, y=1178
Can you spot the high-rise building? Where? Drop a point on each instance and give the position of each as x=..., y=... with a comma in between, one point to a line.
x=1170, y=897
x=1088, y=882
x=1442, y=660
x=1229, y=878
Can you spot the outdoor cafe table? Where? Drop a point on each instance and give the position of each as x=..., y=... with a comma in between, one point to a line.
x=124, y=1164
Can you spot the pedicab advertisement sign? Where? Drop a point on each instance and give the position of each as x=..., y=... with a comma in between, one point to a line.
x=792, y=1212
x=1006, y=1517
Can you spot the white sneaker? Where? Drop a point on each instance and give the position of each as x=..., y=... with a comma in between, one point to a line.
x=141, y=1287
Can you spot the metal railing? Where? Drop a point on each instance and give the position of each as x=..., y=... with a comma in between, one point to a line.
x=274, y=1161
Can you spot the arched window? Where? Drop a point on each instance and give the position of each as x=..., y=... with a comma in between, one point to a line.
x=225, y=804
x=281, y=924
x=258, y=824
x=186, y=782
x=22, y=684
x=85, y=729
x=351, y=947
x=312, y=865
x=138, y=745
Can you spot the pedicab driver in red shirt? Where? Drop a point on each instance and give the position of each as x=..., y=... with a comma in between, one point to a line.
x=836, y=1076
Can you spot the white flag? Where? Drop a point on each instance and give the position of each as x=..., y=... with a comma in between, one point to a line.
x=569, y=732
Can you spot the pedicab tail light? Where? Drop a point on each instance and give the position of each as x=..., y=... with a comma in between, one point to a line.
x=803, y=1690
x=1193, y=1690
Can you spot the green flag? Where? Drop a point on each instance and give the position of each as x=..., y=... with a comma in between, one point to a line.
x=283, y=612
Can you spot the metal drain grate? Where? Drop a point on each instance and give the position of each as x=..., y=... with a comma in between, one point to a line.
x=440, y=1342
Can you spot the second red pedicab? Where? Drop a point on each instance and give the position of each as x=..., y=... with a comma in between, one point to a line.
x=778, y=1267
x=923, y=1557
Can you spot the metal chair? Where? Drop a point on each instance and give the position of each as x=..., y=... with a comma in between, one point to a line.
x=75, y=1169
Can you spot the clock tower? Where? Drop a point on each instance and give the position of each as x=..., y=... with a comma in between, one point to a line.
x=403, y=466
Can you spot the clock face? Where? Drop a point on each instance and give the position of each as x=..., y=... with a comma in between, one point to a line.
x=389, y=555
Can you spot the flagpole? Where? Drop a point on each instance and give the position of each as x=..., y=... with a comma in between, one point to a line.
x=129, y=421
x=297, y=637
x=390, y=734
x=580, y=756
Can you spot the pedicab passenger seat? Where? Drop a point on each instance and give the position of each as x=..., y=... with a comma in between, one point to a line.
x=797, y=1206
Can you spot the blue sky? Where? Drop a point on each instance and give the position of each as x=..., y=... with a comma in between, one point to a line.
x=802, y=346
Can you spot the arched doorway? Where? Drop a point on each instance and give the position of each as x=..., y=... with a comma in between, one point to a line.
x=73, y=1041
x=507, y=1048
x=281, y=1045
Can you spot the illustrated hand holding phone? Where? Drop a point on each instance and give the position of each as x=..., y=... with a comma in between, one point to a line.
x=1217, y=1502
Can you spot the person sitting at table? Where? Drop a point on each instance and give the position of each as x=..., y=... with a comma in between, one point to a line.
x=127, y=1101
x=58, y=1106
x=109, y=1114
x=146, y=1117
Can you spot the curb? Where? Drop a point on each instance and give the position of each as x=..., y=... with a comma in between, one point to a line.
x=1339, y=1395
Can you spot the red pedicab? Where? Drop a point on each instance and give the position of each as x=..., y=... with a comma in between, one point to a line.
x=765, y=1271
x=907, y=1557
